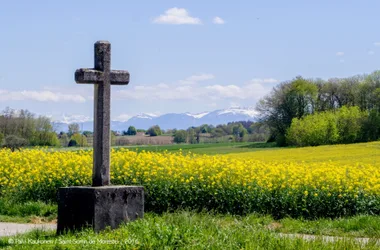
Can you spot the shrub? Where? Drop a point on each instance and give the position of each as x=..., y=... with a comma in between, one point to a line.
x=313, y=130
x=154, y=131
x=329, y=127
x=180, y=136
x=131, y=131
x=81, y=140
x=349, y=124
x=13, y=142
x=72, y=143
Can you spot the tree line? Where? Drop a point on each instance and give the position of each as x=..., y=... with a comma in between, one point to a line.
x=24, y=128
x=314, y=111
x=233, y=131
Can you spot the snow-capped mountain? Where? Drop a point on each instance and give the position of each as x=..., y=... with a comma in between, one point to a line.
x=170, y=120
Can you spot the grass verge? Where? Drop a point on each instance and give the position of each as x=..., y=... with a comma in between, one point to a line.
x=11, y=211
x=181, y=230
x=356, y=226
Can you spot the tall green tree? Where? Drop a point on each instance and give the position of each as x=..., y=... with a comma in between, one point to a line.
x=154, y=131
x=180, y=136
x=288, y=100
x=73, y=129
x=131, y=130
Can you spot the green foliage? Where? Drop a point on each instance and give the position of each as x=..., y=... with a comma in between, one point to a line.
x=192, y=136
x=288, y=100
x=36, y=208
x=370, y=130
x=1, y=138
x=239, y=131
x=190, y=230
x=349, y=124
x=154, y=131
x=63, y=139
x=313, y=130
x=341, y=126
x=44, y=134
x=73, y=129
x=81, y=140
x=180, y=136
x=72, y=143
x=14, y=142
x=113, y=138
x=299, y=98
x=131, y=131
x=44, y=138
x=87, y=133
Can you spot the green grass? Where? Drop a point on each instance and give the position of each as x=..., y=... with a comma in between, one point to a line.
x=181, y=230
x=27, y=210
x=357, y=226
x=202, y=148
x=206, y=148
x=28, y=219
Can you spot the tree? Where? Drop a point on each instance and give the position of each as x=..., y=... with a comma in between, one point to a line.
x=288, y=100
x=81, y=140
x=370, y=129
x=113, y=138
x=44, y=134
x=313, y=130
x=131, y=130
x=72, y=143
x=154, y=131
x=191, y=136
x=180, y=136
x=73, y=129
x=239, y=131
x=13, y=142
x=87, y=133
x=328, y=127
x=63, y=139
x=349, y=124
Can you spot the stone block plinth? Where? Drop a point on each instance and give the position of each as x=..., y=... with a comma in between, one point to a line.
x=98, y=207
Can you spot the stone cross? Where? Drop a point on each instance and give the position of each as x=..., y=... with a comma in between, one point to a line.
x=102, y=77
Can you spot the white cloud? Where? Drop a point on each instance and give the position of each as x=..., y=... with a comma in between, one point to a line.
x=163, y=85
x=201, y=77
x=340, y=53
x=177, y=16
x=218, y=20
x=371, y=52
x=41, y=96
x=253, y=89
x=196, y=78
x=265, y=80
x=376, y=43
x=122, y=117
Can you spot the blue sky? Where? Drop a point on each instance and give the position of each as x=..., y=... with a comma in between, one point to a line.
x=183, y=56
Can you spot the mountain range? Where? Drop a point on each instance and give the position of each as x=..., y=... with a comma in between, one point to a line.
x=165, y=121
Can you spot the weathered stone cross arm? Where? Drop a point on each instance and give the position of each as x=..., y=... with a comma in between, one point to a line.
x=117, y=77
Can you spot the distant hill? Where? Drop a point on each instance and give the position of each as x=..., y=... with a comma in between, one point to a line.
x=167, y=121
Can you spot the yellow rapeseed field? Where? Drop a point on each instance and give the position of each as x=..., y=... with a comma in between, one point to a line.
x=311, y=182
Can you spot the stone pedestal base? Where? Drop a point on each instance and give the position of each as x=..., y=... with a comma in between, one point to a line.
x=98, y=207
